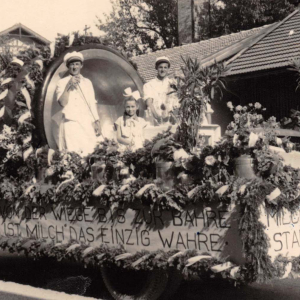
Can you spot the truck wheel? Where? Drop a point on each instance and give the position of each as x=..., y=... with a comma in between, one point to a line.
x=174, y=280
x=134, y=285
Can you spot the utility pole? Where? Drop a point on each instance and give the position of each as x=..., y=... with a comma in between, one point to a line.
x=209, y=19
x=185, y=9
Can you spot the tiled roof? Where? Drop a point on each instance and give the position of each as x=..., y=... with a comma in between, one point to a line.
x=31, y=32
x=200, y=50
x=273, y=50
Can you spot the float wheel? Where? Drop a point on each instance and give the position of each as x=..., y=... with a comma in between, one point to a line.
x=174, y=280
x=134, y=285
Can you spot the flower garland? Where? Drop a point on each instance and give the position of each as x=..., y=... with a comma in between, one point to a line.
x=215, y=184
x=78, y=192
x=189, y=262
x=255, y=241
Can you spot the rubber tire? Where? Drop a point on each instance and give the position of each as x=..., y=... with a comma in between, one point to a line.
x=174, y=280
x=153, y=287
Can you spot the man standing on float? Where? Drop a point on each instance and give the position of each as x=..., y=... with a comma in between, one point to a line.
x=156, y=91
x=79, y=123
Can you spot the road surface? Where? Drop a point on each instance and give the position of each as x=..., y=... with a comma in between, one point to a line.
x=15, y=291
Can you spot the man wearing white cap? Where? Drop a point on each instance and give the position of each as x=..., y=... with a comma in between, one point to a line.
x=156, y=91
x=79, y=122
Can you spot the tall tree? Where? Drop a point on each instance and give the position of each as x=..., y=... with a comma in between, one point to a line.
x=5, y=53
x=216, y=18
x=140, y=26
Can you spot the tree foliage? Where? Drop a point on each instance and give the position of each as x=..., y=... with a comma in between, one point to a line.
x=140, y=26
x=216, y=18
x=6, y=53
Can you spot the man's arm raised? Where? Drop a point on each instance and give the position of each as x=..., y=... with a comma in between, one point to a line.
x=63, y=93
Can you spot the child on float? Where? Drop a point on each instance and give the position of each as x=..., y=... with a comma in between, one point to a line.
x=130, y=127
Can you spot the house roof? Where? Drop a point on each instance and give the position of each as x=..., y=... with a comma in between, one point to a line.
x=208, y=51
x=25, y=32
x=274, y=49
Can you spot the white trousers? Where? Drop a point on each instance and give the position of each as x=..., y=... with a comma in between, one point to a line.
x=79, y=137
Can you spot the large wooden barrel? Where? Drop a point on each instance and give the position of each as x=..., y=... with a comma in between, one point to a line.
x=110, y=73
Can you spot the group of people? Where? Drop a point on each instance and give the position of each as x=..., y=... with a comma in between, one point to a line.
x=79, y=127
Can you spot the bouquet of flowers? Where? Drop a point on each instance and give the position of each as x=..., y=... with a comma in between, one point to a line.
x=248, y=138
x=249, y=131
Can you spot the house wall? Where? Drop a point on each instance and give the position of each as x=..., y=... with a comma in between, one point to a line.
x=276, y=92
x=16, y=44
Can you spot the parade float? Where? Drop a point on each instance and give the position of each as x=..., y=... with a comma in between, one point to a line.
x=184, y=206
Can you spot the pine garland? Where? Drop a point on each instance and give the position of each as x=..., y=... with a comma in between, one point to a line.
x=254, y=239
x=107, y=256
x=148, y=261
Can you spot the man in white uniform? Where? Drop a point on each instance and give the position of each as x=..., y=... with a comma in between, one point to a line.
x=78, y=120
x=156, y=91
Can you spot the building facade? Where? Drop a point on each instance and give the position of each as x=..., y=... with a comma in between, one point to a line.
x=18, y=38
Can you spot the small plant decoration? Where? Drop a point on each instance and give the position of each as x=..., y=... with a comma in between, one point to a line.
x=248, y=136
x=293, y=122
x=195, y=88
x=249, y=132
x=240, y=133
x=163, y=149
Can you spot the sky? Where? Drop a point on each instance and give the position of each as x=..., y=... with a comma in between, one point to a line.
x=49, y=17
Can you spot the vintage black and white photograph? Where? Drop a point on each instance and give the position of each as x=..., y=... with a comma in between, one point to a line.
x=149, y=149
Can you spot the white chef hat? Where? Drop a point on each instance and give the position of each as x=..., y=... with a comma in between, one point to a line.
x=162, y=59
x=73, y=56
